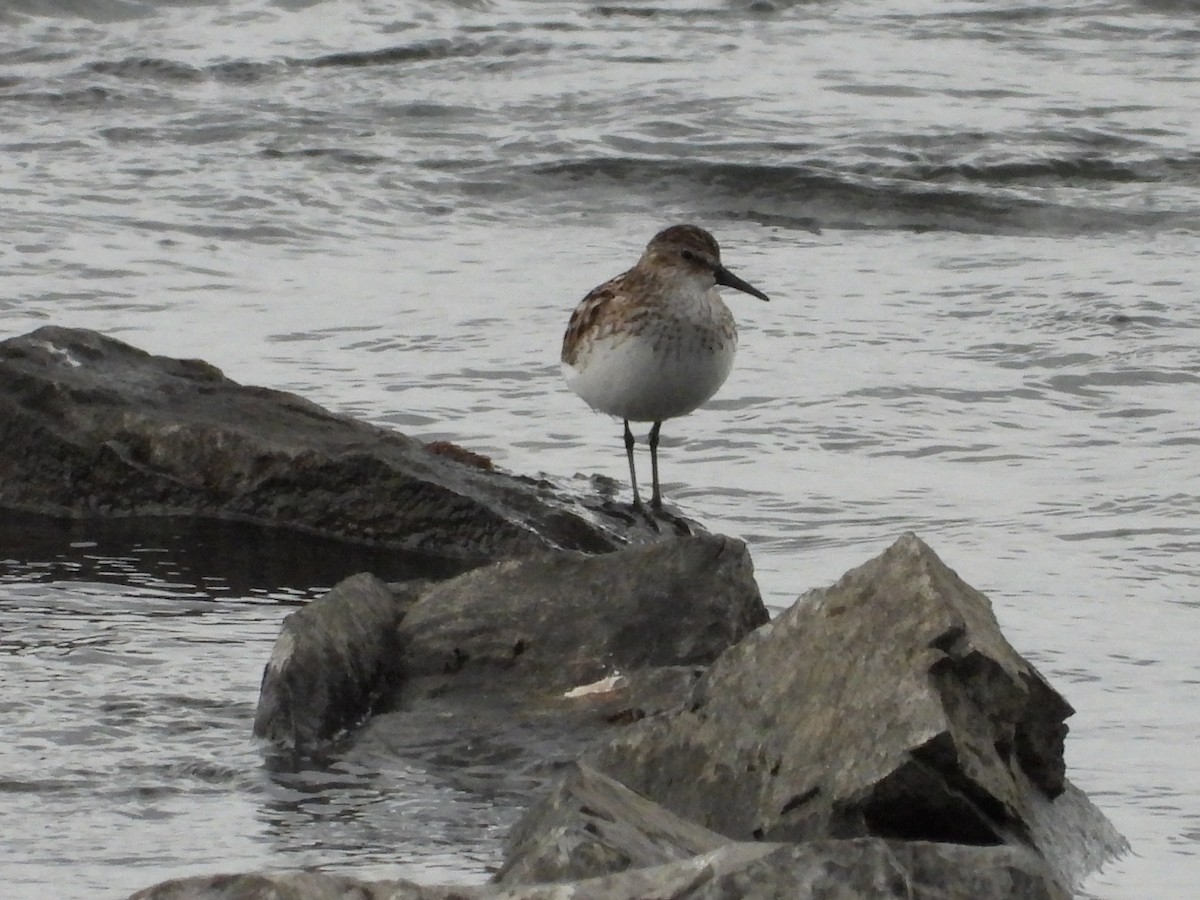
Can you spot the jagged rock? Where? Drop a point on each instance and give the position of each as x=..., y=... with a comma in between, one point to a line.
x=878, y=869
x=887, y=705
x=535, y=626
x=592, y=825
x=90, y=426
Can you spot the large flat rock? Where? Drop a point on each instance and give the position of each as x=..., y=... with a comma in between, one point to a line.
x=530, y=628
x=563, y=619
x=92, y=427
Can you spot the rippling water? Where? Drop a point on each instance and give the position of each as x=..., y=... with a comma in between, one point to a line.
x=977, y=222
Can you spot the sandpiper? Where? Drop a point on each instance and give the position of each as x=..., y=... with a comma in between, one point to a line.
x=657, y=341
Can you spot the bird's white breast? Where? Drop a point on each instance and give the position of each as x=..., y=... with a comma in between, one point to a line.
x=666, y=366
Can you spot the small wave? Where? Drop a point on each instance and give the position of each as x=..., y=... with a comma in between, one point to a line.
x=148, y=68
x=811, y=195
x=390, y=56
x=98, y=11
x=1095, y=169
x=83, y=98
x=499, y=46
x=334, y=154
x=140, y=68
x=242, y=71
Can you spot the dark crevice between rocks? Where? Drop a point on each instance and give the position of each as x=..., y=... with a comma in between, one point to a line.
x=1024, y=716
x=928, y=798
x=952, y=642
x=1041, y=736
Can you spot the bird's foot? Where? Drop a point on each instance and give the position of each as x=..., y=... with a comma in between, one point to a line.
x=646, y=513
x=679, y=523
x=653, y=514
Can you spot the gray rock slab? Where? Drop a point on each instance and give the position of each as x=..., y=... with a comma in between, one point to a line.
x=528, y=629
x=564, y=619
x=878, y=869
x=92, y=427
x=887, y=705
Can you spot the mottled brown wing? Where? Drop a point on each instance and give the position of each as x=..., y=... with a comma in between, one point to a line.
x=591, y=309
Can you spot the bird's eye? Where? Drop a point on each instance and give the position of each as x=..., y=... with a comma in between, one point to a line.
x=688, y=255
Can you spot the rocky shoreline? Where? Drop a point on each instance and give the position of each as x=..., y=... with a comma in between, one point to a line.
x=880, y=738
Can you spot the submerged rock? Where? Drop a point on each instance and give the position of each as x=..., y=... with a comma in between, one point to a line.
x=92, y=427
x=534, y=627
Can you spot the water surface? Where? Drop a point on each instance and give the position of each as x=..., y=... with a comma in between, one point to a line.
x=977, y=223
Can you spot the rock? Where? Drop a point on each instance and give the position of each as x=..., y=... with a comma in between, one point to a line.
x=331, y=664
x=591, y=825
x=877, y=869
x=563, y=619
x=527, y=629
x=879, y=739
x=90, y=426
x=888, y=705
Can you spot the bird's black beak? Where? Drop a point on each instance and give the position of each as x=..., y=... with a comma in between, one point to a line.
x=727, y=278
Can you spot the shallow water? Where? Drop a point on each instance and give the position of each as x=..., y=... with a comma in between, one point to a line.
x=977, y=225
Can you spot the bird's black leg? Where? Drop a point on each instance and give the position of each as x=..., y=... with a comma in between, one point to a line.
x=637, y=501
x=656, y=494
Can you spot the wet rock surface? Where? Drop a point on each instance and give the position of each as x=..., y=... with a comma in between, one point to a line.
x=565, y=619
x=591, y=825
x=533, y=628
x=92, y=427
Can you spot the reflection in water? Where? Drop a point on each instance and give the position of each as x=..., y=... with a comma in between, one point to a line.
x=441, y=783
x=194, y=557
